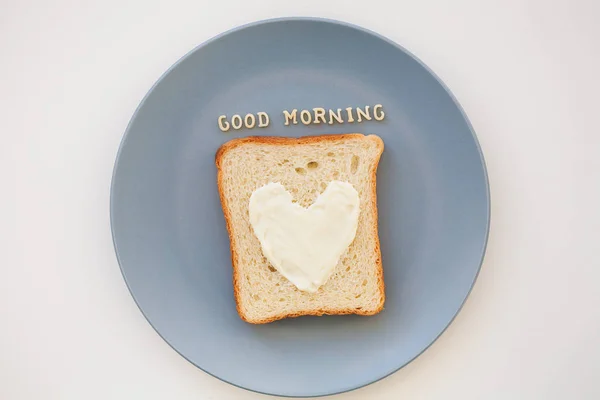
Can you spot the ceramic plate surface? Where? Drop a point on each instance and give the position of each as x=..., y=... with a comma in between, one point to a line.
x=169, y=231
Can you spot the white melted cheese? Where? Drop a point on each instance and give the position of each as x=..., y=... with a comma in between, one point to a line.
x=305, y=244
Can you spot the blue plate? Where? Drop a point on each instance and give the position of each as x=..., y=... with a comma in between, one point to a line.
x=170, y=235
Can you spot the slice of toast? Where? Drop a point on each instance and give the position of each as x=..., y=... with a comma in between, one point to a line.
x=304, y=166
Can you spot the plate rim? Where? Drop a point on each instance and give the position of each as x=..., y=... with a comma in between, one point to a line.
x=326, y=21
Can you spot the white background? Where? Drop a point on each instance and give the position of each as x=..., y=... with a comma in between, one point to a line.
x=72, y=73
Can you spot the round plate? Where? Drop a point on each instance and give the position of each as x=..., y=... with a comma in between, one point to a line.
x=170, y=235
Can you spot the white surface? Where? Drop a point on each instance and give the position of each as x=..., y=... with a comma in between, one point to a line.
x=71, y=75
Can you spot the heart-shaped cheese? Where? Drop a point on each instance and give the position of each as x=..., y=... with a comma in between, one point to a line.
x=305, y=244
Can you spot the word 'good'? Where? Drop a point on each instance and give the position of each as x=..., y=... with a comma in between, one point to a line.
x=249, y=121
x=316, y=116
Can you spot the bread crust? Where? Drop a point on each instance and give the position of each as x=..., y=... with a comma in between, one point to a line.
x=285, y=141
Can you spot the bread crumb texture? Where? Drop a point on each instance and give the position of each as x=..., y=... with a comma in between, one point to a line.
x=304, y=166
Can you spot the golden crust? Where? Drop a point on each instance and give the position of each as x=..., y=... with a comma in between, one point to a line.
x=275, y=140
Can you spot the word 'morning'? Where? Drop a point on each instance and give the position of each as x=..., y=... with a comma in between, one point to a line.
x=321, y=116
x=317, y=115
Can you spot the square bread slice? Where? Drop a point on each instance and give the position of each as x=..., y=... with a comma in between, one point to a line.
x=304, y=166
